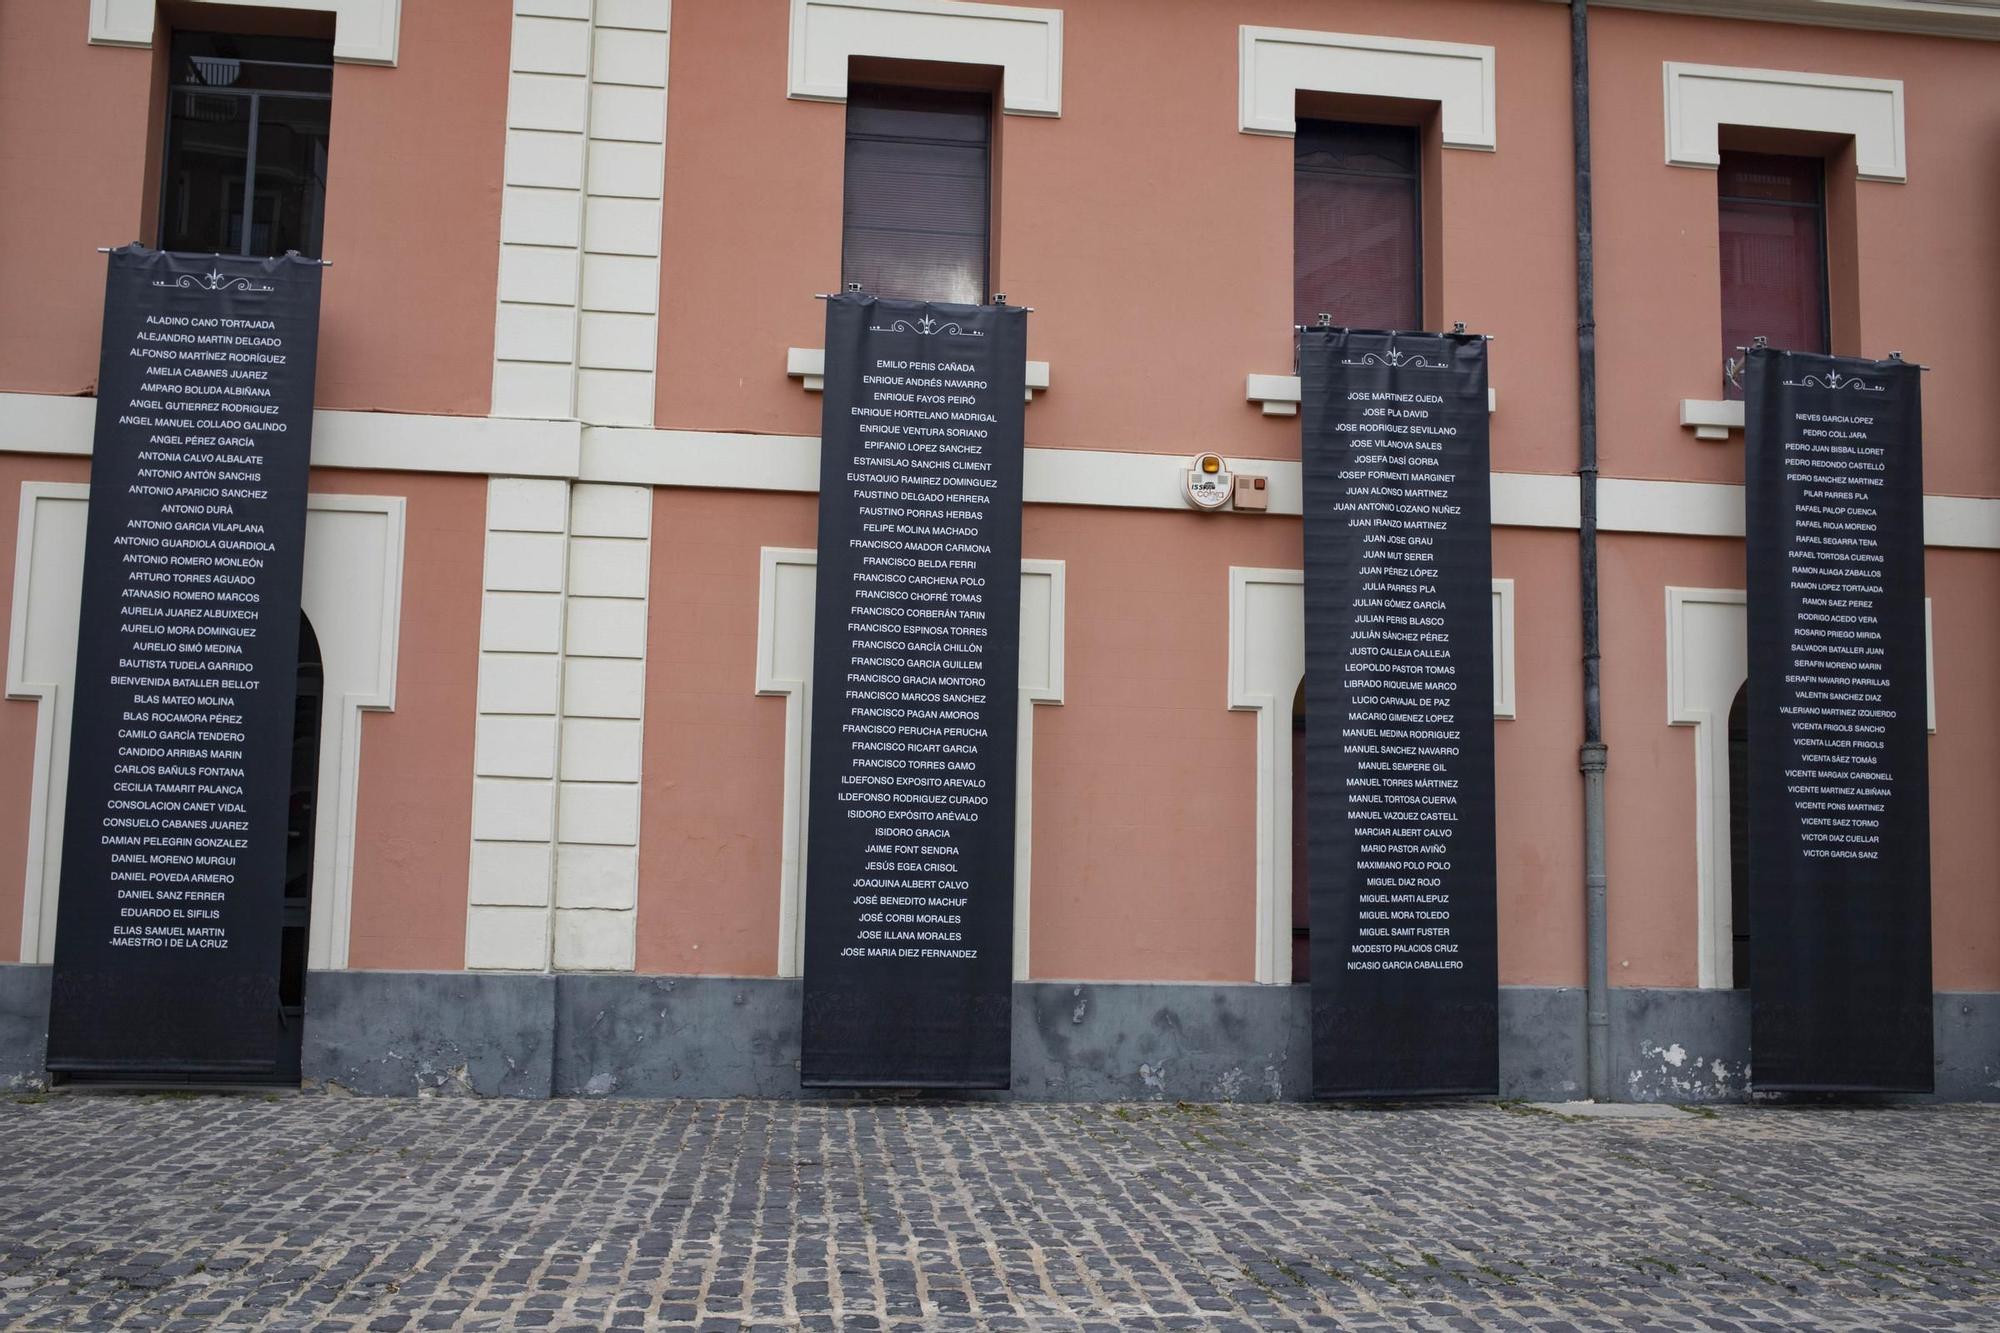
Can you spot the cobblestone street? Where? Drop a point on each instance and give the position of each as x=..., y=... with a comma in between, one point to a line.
x=222, y=1212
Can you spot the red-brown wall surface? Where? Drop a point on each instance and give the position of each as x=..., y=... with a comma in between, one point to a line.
x=1144, y=781
x=72, y=169
x=412, y=211
x=712, y=803
x=1928, y=268
x=413, y=824
x=1152, y=237
x=413, y=819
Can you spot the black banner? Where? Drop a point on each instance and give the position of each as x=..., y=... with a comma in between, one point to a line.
x=173, y=870
x=916, y=659
x=1399, y=714
x=1840, y=929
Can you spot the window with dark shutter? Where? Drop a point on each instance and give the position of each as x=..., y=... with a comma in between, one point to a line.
x=1772, y=219
x=916, y=216
x=246, y=144
x=1356, y=228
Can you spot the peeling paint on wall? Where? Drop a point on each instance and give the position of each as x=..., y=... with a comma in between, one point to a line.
x=1669, y=1074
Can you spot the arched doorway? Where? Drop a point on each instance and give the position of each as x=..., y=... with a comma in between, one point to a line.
x=302, y=816
x=1739, y=839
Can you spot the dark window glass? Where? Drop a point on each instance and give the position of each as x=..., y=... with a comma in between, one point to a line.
x=1772, y=214
x=1356, y=229
x=916, y=214
x=247, y=121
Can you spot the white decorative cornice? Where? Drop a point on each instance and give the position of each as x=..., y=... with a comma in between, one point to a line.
x=1113, y=478
x=364, y=31
x=1700, y=99
x=1027, y=45
x=1936, y=18
x=1274, y=64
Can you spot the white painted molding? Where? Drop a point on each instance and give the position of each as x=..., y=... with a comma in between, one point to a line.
x=352, y=595
x=600, y=744
x=1275, y=64
x=785, y=619
x=1139, y=481
x=1277, y=395
x=576, y=314
x=524, y=582
x=1267, y=662
x=786, y=581
x=479, y=446
x=1503, y=649
x=1536, y=500
x=1712, y=419
x=1962, y=521
x=1939, y=18
x=1707, y=663
x=695, y=458
x=1026, y=43
x=1702, y=98
x=34, y=423
x=807, y=365
x=1121, y=480
x=1682, y=508
x=1280, y=395
x=1107, y=478
x=43, y=423
x=41, y=666
x=1044, y=612
x=364, y=31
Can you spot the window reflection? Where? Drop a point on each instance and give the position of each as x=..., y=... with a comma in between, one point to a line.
x=248, y=123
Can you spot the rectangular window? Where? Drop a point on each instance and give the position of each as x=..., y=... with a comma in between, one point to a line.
x=246, y=144
x=916, y=216
x=1772, y=214
x=1357, y=229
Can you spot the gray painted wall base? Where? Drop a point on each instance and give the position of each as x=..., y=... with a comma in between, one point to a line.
x=24, y=1028
x=430, y=1033
x=598, y=1035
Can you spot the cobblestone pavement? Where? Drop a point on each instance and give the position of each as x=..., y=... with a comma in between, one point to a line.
x=223, y=1212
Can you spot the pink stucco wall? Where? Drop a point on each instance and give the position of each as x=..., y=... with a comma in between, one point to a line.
x=412, y=210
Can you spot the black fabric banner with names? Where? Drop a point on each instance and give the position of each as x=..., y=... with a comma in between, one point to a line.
x=174, y=834
x=916, y=658
x=1839, y=856
x=1399, y=714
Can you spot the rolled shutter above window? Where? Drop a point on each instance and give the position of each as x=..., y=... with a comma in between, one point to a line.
x=915, y=222
x=1356, y=230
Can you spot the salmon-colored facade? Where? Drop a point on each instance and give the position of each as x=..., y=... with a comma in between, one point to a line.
x=572, y=255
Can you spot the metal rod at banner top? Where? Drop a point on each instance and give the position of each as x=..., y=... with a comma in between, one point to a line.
x=1457, y=330
x=1896, y=356
x=854, y=289
x=289, y=254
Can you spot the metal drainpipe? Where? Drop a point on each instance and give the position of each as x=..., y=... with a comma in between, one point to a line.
x=1591, y=758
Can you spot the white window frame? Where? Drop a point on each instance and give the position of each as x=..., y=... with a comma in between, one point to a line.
x=1275, y=64
x=365, y=32
x=1700, y=99
x=1026, y=43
